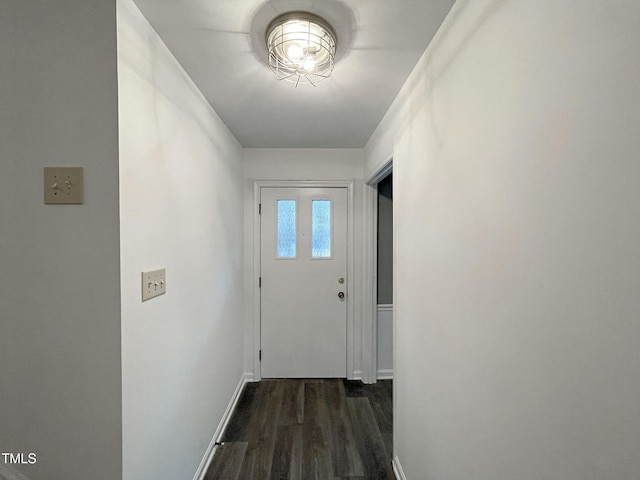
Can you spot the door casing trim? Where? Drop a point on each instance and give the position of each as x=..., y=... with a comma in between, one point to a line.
x=352, y=296
x=370, y=267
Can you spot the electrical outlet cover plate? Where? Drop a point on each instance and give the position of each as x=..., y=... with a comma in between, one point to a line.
x=63, y=185
x=154, y=283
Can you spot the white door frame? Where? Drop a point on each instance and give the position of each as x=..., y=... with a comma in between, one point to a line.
x=370, y=291
x=351, y=297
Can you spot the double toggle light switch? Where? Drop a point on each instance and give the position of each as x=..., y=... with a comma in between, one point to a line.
x=63, y=186
x=154, y=283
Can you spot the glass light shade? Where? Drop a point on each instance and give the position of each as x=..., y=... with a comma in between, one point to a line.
x=302, y=48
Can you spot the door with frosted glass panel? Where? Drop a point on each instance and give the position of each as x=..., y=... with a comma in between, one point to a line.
x=303, y=265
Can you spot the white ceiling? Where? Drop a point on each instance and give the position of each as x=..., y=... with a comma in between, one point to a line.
x=220, y=43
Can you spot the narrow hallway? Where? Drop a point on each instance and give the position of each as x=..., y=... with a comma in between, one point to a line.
x=299, y=429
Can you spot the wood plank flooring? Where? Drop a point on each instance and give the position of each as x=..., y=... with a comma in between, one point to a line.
x=308, y=429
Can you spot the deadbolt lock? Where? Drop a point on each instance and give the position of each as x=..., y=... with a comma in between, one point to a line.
x=340, y=295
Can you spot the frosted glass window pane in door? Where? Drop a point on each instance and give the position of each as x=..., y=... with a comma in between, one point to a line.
x=286, y=229
x=320, y=228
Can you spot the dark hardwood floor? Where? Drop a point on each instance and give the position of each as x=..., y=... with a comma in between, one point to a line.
x=308, y=429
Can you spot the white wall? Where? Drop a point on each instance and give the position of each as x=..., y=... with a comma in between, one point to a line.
x=59, y=265
x=517, y=259
x=301, y=164
x=181, y=208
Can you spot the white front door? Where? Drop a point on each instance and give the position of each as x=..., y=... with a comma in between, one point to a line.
x=303, y=269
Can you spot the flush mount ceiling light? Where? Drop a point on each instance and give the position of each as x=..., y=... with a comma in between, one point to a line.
x=302, y=48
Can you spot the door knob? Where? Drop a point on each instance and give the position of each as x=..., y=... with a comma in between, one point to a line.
x=340, y=295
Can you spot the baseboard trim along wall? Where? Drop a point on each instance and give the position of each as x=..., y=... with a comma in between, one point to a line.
x=397, y=469
x=385, y=374
x=215, y=440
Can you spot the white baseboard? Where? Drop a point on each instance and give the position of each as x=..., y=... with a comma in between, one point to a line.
x=385, y=374
x=397, y=469
x=357, y=375
x=211, y=449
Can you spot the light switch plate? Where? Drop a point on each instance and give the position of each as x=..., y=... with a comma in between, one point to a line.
x=63, y=185
x=154, y=283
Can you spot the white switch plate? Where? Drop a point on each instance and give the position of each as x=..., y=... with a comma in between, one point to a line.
x=154, y=283
x=63, y=185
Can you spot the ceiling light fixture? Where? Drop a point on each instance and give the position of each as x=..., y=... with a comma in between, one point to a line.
x=302, y=48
